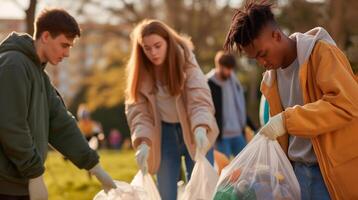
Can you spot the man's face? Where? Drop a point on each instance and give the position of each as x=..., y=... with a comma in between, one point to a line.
x=267, y=49
x=57, y=48
x=224, y=72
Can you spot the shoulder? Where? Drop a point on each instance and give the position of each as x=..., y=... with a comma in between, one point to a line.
x=14, y=57
x=322, y=48
x=14, y=63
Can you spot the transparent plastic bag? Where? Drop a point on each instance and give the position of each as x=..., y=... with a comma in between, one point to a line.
x=202, y=182
x=260, y=172
x=142, y=187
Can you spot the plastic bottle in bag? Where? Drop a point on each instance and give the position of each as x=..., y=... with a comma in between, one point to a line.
x=261, y=171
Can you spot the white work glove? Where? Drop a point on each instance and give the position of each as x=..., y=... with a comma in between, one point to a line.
x=37, y=189
x=142, y=157
x=274, y=127
x=201, y=139
x=103, y=178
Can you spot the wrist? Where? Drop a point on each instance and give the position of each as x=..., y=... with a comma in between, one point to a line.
x=94, y=170
x=142, y=140
x=36, y=178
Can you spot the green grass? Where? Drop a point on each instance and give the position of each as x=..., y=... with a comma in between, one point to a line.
x=66, y=182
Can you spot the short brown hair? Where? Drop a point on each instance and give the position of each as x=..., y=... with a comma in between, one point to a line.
x=225, y=59
x=56, y=21
x=247, y=24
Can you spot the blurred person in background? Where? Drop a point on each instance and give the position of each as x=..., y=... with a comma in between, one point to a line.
x=228, y=97
x=91, y=129
x=115, y=139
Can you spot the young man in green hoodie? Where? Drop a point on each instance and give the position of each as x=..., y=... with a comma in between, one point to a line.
x=33, y=114
x=313, y=99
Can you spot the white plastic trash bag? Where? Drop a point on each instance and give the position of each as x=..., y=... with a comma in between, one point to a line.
x=146, y=182
x=202, y=182
x=142, y=187
x=260, y=172
x=124, y=191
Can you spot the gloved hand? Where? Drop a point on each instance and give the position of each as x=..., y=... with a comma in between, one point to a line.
x=142, y=157
x=274, y=127
x=37, y=189
x=103, y=177
x=201, y=139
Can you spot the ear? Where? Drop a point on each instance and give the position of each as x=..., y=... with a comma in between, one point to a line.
x=276, y=35
x=45, y=36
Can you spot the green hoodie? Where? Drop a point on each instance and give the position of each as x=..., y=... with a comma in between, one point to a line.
x=32, y=116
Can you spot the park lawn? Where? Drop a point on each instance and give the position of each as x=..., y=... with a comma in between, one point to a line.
x=66, y=182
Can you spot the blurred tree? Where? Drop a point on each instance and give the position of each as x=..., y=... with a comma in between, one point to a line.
x=205, y=21
x=337, y=16
x=103, y=88
x=301, y=16
x=202, y=20
x=30, y=15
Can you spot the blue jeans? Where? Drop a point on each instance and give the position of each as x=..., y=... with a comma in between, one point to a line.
x=231, y=146
x=173, y=148
x=311, y=182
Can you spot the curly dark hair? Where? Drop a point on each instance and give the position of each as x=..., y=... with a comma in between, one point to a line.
x=247, y=23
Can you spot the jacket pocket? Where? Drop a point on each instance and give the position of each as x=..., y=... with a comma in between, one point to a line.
x=344, y=145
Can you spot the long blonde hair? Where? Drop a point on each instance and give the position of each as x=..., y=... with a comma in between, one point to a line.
x=177, y=57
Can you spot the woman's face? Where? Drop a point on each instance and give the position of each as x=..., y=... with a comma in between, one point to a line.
x=155, y=48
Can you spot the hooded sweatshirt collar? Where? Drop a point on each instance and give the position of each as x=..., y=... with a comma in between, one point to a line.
x=23, y=43
x=305, y=44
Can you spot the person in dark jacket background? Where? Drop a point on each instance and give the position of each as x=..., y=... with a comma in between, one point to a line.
x=33, y=114
x=229, y=102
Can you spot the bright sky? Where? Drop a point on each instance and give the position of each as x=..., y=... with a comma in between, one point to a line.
x=9, y=9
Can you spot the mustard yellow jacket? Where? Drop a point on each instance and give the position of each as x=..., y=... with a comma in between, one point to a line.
x=329, y=116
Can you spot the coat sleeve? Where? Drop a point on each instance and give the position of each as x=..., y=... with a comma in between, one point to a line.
x=338, y=105
x=200, y=107
x=15, y=136
x=65, y=136
x=140, y=120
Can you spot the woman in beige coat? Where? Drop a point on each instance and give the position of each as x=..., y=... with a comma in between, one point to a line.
x=168, y=104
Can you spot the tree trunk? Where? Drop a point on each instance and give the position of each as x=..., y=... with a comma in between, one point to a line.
x=30, y=17
x=336, y=22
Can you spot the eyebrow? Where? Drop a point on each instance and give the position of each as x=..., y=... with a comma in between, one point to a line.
x=153, y=44
x=67, y=44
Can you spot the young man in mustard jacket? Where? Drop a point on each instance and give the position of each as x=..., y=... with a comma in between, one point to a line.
x=313, y=98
